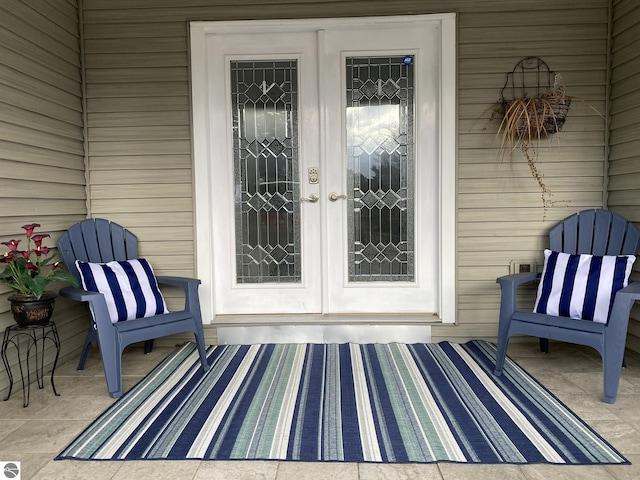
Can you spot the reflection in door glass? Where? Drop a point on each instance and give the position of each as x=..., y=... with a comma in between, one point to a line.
x=380, y=157
x=264, y=98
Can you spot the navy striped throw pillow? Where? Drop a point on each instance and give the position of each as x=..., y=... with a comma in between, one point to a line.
x=130, y=288
x=581, y=286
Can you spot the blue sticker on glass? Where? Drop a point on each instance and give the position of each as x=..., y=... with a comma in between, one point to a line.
x=408, y=60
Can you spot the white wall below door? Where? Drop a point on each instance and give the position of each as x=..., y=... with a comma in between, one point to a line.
x=324, y=334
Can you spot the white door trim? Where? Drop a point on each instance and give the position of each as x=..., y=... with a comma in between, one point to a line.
x=447, y=135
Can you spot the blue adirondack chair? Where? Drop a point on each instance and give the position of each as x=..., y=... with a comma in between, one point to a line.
x=101, y=241
x=596, y=232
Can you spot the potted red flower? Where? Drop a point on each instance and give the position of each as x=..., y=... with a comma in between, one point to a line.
x=28, y=272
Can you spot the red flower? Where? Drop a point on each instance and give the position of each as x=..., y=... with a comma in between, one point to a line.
x=8, y=257
x=37, y=239
x=11, y=244
x=32, y=266
x=29, y=228
x=25, y=254
x=39, y=251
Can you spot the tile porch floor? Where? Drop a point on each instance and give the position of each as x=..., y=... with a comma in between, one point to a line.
x=34, y=435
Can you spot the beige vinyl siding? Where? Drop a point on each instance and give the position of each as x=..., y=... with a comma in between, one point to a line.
x=42, y=173
x=624, y=156
x=140, y=163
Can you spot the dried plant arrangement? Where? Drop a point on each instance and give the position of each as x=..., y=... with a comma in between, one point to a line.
x=534, y=110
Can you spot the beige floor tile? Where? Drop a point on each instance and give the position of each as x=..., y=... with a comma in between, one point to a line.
x=626, y=472
x=622, y=435
x=160, y=469
x=567, y=472
x=317, y=471
x=456, y=471
x=78, y=470
x=408, y=471
x=237, y=470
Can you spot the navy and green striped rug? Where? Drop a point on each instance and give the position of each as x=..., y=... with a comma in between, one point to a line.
x=393, y=403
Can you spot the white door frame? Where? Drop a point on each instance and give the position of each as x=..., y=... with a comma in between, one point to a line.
x=446, y=120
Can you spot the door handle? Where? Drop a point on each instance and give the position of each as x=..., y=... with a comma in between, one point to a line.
x=313, y=198
x=333, y=196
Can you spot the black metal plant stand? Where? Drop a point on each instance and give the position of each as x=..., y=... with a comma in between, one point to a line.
x=25, y=340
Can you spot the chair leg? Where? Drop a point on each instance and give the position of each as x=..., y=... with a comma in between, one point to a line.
x=91, y=337
x=544, y=345
x=148, y=346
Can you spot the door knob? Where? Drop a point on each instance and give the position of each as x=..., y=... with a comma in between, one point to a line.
x=333, y=196
x=313, y=198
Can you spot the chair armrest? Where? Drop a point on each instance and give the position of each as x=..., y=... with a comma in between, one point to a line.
x=508, y=286
x=80, y=295
x=633, y=290
x=190, y=287
x=182, y=282
x=97, y=304
x=518, y=278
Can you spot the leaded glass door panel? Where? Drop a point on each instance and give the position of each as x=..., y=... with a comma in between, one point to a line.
x=382, y=98
x=267, y=125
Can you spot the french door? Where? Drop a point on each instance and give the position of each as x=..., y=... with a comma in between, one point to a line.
x=318, y=187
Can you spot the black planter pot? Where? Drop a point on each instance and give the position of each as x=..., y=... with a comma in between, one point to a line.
x=28, y=311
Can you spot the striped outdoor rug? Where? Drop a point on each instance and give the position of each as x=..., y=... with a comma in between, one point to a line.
x=348, y=403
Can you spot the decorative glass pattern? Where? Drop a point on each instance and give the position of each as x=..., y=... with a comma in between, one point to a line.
x=380, y=158
x=265, y=154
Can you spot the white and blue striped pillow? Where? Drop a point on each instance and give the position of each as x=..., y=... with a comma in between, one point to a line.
x=581, y=286
x=130, y=288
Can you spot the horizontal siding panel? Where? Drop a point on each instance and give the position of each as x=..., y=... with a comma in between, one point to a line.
x=139, y=162
x=123, y=104
x=29, y=136
x=507, y=214
x=624, y=151
x=502, y=172
x=53, y=206
x=134, y=221
x=140, y=191
x=140, y=206
x=517, y=51
x=624, y=197
x=20, y=171
x=588, y=15
x=154, y=89
x=625, y=70
x=132, y=60
x=623, y=167
x=546, y=156
x=630, y=181
x=29, y=19
x=529, y=185
x=55, y=14
x=27, y=77
x=168, y=147
x=40, y=156
x=136, y=30
x=138, y=119
x=39, y=55
x=568, y=139
x=143, y=74
x=16, y=188
x=156, y=132
x=132, y=177
x=141, y=45
x=18, y=116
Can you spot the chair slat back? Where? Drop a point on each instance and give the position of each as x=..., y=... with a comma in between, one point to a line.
x=96, y=240
x=596, y=232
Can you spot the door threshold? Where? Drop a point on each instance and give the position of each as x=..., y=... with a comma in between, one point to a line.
x=352, y=328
